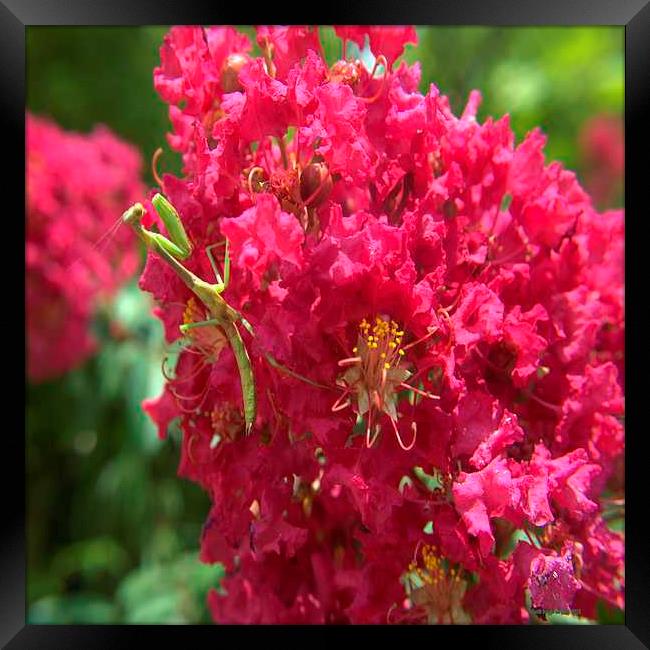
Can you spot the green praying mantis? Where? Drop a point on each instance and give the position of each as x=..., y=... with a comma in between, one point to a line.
x=173, y=250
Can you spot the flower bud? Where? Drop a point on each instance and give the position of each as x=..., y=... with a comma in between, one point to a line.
x=230, y=72
x=315, y=184
x=257, y=180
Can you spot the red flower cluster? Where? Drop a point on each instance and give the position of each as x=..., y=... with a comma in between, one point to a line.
x=438, y=347
x=77, y=186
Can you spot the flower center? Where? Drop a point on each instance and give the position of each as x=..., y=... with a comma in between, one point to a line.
x=435, y=588
x=379, y=350
x=227, y=422
x=375, y=375
x=345, y=72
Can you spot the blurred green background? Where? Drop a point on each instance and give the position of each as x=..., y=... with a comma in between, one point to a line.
x=112, y=531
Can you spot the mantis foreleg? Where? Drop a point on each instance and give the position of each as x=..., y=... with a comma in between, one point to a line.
x=201, y=323
x=248, y=326
x=223, y=282
x=243, y=363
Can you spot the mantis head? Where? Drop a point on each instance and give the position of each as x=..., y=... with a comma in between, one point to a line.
x=133, y=215
x=176, y=243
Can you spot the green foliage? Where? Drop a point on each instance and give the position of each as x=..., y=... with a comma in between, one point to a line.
x=84, y=608
x=174, y=592
x=165, y=593
x=103, y=498
x=83, y=76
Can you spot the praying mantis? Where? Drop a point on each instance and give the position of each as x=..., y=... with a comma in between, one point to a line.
x=173, y=250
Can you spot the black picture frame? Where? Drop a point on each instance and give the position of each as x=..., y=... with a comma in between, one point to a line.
x=16, y=15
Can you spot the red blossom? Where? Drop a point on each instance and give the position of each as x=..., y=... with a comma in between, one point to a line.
x=288, y=45
x=438, y=319
x=482, y=495
x=389, y=41
x=263, y=235
x=552, y=583
x=77, y=188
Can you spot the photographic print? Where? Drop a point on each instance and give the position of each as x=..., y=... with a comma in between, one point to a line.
x=325, y=325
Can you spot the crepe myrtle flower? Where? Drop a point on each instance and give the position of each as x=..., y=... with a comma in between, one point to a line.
x=77, y=186
x=438, y=325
